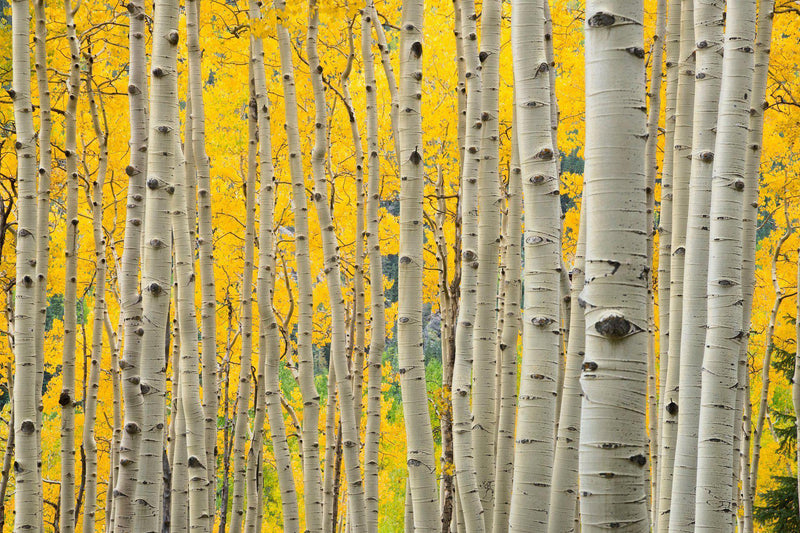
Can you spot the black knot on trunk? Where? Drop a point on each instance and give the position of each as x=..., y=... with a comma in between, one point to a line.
x=672, y=408
x=416, y=49
x=132, y=428
x=158, y=72
x=173, y=37
x=545, y=154
x=615, y=326
x=194, y=462
x=589, y=366
x=130, y=170
x=152, y=184
x=636, y=51
x=415, y=157
x=639, y=459
x=27, y=427
x=738, y=185
x=482, y=56
x=706, y=157
x=64, y=399
x=601, y=19
x=155, y=289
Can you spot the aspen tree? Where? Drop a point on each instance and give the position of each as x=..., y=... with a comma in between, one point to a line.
x=177, y=452
x=205, y=241
x=681, y=165
x=750, y=219
x=484, y=331
x=613, y=443
x=8, y=454
x=672, y=42
x=156, y=267
x=564, y=490
x=512, y=281
x=27, y=474
x=796, y=382
x=708, y=26
x=463, y=444
x=350, y=431
x=130, y=295
x=90, y=399
x=67, y=397
x=305, y=301
x=713, y=504
x=651, y=170
x=242, y=424
x=332, y=438
x=419, y=437
x=378, y=318
x=42, y=197
x=536, y=415
x=766, y=364
x=113, y=340
x=190, y=404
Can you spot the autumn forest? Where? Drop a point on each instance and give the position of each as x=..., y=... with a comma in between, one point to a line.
x=360, y=266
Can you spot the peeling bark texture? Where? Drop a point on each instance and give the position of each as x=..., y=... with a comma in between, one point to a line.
x=156, y=264
x=421, y=459
x=613, y=444
x=708, y=30
x=536, y=414
x=714, y=506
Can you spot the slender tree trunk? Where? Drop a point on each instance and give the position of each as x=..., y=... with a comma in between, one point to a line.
x=512, y=281
x=708, y=26
x=419, y=437
x=130, y=295
x=67, y=397
x=378, y=319
x=651, y=170
x=208, y=291
x=179, y=493
x=485, y=331
x=681, y=166
x=90, y=398
x=463, y=443
x=156, y=267
x=564, y=492
x=714, y=506
x=795, y=378
x=766, y=363
x=8, y=454
x=535, y=436
x=613, y=444
x=750, y=220
x=311, y=475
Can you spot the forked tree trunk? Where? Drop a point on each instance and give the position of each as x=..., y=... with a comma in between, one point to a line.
x=613, y=444
x=714, y=506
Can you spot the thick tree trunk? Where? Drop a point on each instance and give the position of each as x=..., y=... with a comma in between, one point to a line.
x=714, y=507
x=613, y=444
x=536, y=416
x=156, y=264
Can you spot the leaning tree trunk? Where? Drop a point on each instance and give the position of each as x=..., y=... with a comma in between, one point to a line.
x=156, y=263
x=27, y=474
x=709, y=35
x=67, y=397
x=613, y=444
x=714, y=506
x=535, y=436
x=421, y=457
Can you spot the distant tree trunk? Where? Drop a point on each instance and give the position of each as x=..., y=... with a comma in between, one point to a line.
x=419, y=436
x=708, y=27
x=795, y=378
x=714, y=506
x=613, y=444
x=156, y=263
x=536, y=416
